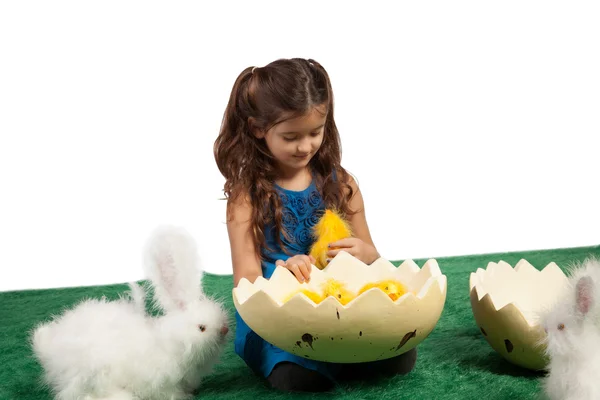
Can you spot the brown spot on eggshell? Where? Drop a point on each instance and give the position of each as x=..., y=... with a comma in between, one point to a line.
x=509, y=346
x=406, y=338
x=308, y=338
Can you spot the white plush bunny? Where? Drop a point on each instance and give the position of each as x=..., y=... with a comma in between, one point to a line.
x=113, y=350
x=573, y=337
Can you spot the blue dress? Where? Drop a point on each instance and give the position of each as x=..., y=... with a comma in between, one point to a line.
x=302, y=210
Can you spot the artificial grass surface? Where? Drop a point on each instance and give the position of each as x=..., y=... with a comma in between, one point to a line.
x=454, y=362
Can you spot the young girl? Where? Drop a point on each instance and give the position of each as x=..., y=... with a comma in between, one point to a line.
x=279, y=151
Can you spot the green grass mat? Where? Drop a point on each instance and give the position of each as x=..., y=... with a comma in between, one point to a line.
x=455, y=361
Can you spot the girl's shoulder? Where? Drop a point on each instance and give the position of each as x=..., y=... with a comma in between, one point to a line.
x=239, y=207
x=344, y=177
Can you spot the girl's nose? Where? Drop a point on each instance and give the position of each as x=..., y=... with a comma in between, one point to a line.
x=303, y=149
x=304, y=146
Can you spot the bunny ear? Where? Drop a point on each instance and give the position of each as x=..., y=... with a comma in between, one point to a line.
x=171, y=262
x=584, y=294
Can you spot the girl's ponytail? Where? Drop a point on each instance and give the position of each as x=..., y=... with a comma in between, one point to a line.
x=233, y=124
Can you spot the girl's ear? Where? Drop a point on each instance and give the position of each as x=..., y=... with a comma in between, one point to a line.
x=259, y=134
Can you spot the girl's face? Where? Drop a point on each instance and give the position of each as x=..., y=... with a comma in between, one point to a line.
x=294, y=142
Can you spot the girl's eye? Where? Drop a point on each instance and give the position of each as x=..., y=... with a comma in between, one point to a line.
x=561, y=327
x=289, y=139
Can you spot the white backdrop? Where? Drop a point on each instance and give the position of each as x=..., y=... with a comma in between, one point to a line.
x=471, y=126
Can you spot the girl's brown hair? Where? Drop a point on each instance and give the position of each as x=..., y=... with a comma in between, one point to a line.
x=260, y=99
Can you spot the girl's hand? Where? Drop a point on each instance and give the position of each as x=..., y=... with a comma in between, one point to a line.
x=365, y=252
x=299, y=265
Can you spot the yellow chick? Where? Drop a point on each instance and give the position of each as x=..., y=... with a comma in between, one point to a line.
x=331, y=287
x=394, y=289
x=330, y=228
x=338, y=290
x=315, y=297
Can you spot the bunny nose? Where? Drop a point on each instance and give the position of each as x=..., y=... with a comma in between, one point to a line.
x=224, y=330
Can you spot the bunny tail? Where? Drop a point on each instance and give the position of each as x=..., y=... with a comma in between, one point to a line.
x=40, y=339
x=173, y=266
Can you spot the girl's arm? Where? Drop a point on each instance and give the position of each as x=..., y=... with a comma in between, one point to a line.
x=245, y=259
x=361, y=244
x=358, y=221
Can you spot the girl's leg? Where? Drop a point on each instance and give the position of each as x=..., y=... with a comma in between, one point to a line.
x=290, y=377
x=400, y=365
x=282, y=370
